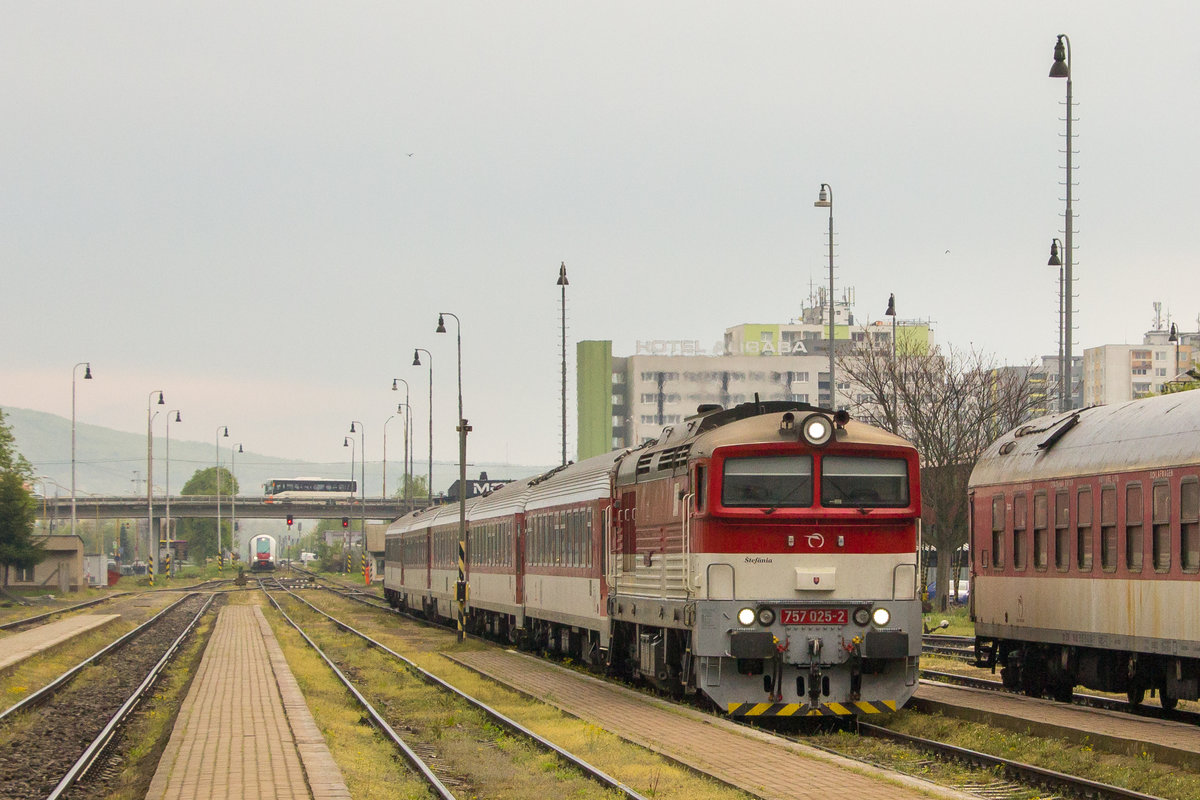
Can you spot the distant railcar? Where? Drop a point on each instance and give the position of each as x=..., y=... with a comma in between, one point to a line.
x=1085, y=542
x=263, y=556
x=763, y=556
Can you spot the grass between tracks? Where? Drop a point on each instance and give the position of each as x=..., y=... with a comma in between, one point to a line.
x=646, y=772
x=1140, y=773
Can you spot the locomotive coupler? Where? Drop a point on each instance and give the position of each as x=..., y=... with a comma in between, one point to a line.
x=814, y=672
x=855, y=664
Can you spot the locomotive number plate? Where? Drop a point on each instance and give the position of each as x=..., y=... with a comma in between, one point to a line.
x=814, y=616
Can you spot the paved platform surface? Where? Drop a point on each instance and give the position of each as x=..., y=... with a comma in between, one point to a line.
x=244, y=731
x=21, y=646
x=1170, y=741
x=754, y=761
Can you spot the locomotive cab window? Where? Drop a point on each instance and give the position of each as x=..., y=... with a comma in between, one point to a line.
x=767, y=481
x=864, y=482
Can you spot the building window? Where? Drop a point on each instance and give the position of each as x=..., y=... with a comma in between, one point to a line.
x=24, y=574
x=618, y=377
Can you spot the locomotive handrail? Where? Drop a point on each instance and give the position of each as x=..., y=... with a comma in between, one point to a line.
x=687, y=544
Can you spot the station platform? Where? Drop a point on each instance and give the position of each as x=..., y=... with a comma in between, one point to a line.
x=1169, y=741
x=20, y=646
x=764, y=765
x=244, y=730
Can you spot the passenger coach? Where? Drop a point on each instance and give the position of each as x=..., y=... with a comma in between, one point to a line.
x=1086, y=551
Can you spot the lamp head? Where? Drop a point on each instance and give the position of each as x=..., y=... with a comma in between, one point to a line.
x=240, y=450
x=823, y=200
x=1174, y=337
x=562, y=275
x=891, y=309
x=160, y=399
x=416, y=359
x=1061, y=68
x=226, y=434
x=1054, y=261
x=441, y=328
x=87, y=372
x=352, y=428
x=177, y=417
x=345, y=441
x=394, y=387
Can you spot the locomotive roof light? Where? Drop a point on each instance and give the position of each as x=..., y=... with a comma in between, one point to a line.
x=841, y=417
x=787, y=423
x=881, y=617
x=862, y=616
x=816, y=430
x=766, y=615
x=746, y=617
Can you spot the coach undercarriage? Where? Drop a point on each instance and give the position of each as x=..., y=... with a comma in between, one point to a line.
x=1054, y=670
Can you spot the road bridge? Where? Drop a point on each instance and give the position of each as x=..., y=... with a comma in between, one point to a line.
x=205, y=507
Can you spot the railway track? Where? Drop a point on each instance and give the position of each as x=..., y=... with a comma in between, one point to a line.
x=80, y=715
x=1020, y=780
x=960, y=648
x=37, y=619
x=439, y=691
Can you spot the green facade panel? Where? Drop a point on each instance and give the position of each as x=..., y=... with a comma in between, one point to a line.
x=593, y=392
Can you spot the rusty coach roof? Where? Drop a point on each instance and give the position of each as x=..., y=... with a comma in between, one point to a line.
x=1153, y=433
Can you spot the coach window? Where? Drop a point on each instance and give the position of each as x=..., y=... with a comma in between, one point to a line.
x=1062, y=530
x=1108, y=528
x=1020, y=542
x=1041, y=533
x=1133, y=527
x=1160, y=519
x=1189, y=524
x=698, y=488
x=998, y=532
x=1083, y=529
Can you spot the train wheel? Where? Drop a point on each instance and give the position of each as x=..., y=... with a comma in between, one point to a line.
x=1062, y=691
x=1165, y=699
x=1135, y=693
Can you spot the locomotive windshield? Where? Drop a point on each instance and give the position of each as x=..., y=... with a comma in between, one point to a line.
x=758, y=481
x=864, y=482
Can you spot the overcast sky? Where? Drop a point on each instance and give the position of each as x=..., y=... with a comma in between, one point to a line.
x=260, y=208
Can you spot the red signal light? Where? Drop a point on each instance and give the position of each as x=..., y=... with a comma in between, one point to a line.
x=345, y=522
x=289, y=520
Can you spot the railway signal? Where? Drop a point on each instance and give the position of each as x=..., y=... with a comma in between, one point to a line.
x=289, y=520
x=345, y=522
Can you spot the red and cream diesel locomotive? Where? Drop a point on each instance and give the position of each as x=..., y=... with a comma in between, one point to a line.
x=764, y=556
x=1085, y=542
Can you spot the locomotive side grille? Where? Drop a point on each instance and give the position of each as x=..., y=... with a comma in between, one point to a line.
x=643, y=464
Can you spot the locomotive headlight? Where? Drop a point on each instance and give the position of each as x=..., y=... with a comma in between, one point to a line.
x=765, y=616
x=816, y=429
x=881, y=617
x=746, y=616
x=862, y=615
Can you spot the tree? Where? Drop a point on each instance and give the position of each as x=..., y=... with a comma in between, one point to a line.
x=18, y=511
x=201, y=534
x=951, y=406
x=417, y=486
x=11, y=459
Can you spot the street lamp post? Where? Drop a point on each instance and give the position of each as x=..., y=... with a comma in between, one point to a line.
x=562, y=282
x=416, y=363
x=87, y=376
x=217, y=447
x=1055, y=261
x=1174, y=337
x=407, y=438
x=825, y=200
x=348, y=442
x=362, y=491
x=891, y=312
x=463, y=428
x=150, y=478
x=233, y=490
x=1061, y=68
x=178, y=418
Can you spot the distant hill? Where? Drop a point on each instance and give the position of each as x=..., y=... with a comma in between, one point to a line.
x=110, y=462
